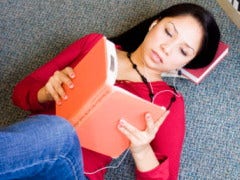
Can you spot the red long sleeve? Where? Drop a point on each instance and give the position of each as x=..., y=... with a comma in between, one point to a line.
x=25, y=92
x=161, y=172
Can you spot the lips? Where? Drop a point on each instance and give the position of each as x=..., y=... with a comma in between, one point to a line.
x=155, y=57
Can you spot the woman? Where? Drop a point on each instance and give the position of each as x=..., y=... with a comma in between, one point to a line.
x=184, y=35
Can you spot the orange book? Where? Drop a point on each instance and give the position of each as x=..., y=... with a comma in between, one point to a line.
x=95, y=106
x=197, y=75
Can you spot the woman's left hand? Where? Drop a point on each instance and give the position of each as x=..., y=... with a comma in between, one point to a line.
x=140, y=139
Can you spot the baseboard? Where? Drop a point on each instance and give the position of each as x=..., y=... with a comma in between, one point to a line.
x=233, y=14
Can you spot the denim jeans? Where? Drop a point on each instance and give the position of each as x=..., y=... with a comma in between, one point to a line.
x=40, y=147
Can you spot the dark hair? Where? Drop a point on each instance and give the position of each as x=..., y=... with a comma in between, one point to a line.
x=131, y=39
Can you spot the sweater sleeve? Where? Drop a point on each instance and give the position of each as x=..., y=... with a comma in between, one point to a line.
x=25, y=92
x=167, y=144
x=161, y=172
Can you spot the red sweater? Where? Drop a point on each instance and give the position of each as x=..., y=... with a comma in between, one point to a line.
x=168, y=142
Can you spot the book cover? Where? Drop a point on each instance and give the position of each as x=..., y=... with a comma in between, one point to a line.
x=197, y=75
x=96, y=71
x=95, y=106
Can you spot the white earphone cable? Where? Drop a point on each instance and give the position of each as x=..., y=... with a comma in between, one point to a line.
x=108, y=167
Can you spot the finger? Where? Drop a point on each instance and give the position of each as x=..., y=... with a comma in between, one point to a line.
x=129, y=126
x=69, y=71
x=124, y=131
x=159, y=122
x=61, y=77
x=128, y=130
x=47, y=94
x=51, y=91
x=149, y=121
x=151, y=126
x=56, y=84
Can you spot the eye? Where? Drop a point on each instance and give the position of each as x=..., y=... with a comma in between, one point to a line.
x=183, y=52
x=170, y=29
x=168, y=32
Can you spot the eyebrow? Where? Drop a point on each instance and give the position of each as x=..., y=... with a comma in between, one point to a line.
x=177, y=33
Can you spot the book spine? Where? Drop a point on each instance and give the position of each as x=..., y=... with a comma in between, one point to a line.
x=190, y=76
x=197, y=80
x=112, y=65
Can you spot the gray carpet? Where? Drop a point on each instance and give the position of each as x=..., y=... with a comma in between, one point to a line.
x=34, y=31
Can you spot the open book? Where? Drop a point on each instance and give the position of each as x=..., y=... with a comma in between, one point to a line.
x=95, y=106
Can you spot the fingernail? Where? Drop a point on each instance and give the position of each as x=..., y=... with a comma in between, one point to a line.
x=72, y=75
x=148, y=115
x=163, y=107
x=59, y=102
x=120, y=125
x=122, y=121
x=71, y=86
x=65, y=97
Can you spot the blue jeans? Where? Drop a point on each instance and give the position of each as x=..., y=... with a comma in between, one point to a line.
x=40, y=147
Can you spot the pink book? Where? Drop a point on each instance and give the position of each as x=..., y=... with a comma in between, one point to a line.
x=197, y=75
x=95, y=106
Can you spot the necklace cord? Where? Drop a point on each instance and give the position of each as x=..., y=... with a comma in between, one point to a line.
x=144, y=79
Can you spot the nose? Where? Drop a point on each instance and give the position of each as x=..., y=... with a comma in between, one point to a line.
x=168, y=46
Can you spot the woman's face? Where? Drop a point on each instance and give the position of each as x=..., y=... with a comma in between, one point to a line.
x=171, y=43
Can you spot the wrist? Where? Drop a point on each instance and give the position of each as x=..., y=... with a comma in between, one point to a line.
x=141, y=152
x=145, y=159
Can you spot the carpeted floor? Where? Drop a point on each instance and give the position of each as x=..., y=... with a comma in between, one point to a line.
x=33, y=31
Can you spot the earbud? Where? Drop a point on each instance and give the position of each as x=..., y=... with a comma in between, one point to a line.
x=152, y=25
x=179, y=72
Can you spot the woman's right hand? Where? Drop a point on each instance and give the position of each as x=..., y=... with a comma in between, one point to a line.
x=53, y=89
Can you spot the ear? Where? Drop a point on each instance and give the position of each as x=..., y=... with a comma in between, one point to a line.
x=154, y=23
